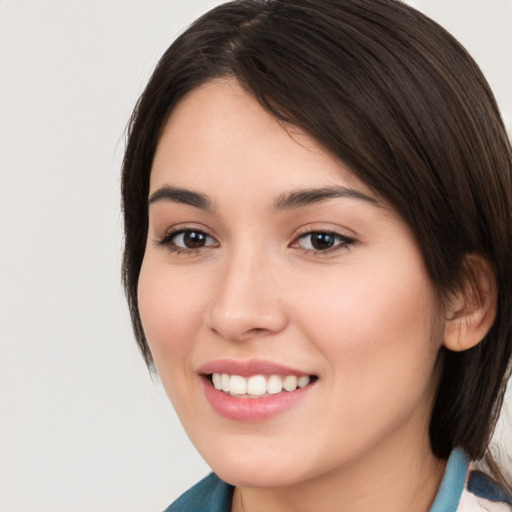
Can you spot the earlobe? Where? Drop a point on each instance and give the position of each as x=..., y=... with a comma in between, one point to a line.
x=472, y=310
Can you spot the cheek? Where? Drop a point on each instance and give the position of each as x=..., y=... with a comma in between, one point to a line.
x=374, y=323
x=170, y=305
x=376, y=335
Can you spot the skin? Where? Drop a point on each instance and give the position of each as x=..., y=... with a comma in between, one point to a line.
x=360, y=316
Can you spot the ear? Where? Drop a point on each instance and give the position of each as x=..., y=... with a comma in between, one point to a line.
x=471, y=311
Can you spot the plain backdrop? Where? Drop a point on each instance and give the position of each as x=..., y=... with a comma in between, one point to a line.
x=82, y=425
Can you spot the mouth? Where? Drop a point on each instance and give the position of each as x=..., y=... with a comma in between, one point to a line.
x=258, y=386
x=254, y=390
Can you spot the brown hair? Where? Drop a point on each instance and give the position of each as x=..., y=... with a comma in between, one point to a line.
x=400, y=101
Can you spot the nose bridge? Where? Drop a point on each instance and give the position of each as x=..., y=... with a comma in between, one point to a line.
x=245, y=303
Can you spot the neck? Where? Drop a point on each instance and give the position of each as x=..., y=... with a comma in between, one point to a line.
x=390, y=478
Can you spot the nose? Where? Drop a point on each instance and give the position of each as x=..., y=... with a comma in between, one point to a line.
x=246, y=303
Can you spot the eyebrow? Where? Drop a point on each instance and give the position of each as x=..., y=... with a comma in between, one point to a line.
x=308, y=197
x=288, y=201
x=183, y=196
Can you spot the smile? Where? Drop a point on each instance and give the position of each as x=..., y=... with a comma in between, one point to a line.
x=257, y=386
x=254, y=390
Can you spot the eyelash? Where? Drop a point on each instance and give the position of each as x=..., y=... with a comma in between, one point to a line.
x=168, y=241
x=343, y=242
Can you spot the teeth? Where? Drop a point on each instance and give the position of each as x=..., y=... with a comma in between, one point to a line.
x=290, y=383
x=217, y=380
x=237, y=385
x=257, y=385
x=274, y=385
x=224, y=382
x=303, y=381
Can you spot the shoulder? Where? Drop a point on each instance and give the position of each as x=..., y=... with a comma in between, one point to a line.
x=209, y=495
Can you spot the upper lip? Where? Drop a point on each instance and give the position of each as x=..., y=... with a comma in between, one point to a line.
x=246, y=368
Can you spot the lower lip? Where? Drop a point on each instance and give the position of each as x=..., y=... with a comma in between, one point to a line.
x=252, y=409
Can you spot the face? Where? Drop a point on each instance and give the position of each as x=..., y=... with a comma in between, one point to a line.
x=286, y=305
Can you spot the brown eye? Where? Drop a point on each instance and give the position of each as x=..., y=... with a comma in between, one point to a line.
x=188, y=239
x=194, y=239
x=322, y=241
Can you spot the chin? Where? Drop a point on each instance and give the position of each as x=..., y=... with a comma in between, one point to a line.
x=254, y=475
x=260, y=464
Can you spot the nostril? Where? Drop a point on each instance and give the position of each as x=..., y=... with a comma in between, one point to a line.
x=233, y=332
x=257, y=330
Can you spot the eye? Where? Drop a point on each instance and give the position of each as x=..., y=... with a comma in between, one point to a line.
x=322, y=241
x=187, y=240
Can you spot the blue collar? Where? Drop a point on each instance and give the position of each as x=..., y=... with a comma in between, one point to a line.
x=209, y=495
x=453, y=483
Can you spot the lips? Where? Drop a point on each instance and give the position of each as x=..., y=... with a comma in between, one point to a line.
x=253, y=390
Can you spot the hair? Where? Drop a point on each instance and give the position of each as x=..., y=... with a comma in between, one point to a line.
x=400, y=101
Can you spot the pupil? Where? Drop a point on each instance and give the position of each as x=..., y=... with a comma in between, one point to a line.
x=194, y=239
x=322, y=241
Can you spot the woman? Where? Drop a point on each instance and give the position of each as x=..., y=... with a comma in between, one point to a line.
x=317, y=201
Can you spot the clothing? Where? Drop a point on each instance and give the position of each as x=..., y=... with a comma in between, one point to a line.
x=464, y=488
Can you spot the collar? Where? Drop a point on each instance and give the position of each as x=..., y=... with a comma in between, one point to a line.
x=453, y=483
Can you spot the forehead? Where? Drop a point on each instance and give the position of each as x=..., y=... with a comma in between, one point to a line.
x=220, y=134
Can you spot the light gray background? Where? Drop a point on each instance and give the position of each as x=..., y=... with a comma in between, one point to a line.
x=82, y=426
